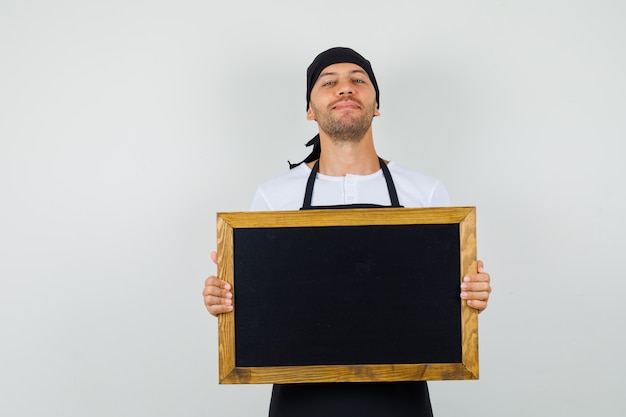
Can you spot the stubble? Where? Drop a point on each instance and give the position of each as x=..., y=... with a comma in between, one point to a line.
x=344, y=127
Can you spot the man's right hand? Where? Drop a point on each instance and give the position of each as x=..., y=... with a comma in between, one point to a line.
x=218, y=298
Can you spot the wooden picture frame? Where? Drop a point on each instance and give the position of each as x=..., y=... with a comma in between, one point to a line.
x=347, y=295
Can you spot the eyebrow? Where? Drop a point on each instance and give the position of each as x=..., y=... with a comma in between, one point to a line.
x=356, y=71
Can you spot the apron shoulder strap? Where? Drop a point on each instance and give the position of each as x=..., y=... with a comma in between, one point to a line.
x=308, y=193
x=391, y=187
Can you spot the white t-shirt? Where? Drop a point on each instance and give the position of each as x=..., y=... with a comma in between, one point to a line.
x=286, y=191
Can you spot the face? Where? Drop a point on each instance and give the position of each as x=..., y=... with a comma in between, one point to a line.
x=343, y=101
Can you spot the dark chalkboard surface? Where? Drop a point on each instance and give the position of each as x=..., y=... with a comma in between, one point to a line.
x=331, y=295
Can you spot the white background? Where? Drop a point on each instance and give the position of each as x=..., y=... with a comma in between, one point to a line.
x=126, y=125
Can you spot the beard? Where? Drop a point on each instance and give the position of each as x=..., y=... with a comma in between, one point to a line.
x=344, y=128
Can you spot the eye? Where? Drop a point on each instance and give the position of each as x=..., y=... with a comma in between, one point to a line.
x=358, y=81
x=328, y=83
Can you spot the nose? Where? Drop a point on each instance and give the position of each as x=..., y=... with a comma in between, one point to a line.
x=344, y=88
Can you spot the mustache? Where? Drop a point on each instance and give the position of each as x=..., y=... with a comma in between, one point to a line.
x=341, y=100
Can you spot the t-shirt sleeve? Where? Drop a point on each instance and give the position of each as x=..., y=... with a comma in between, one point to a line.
x=259, y=202
x=439, y=196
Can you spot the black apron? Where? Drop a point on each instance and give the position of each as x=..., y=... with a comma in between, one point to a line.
x=354, y=399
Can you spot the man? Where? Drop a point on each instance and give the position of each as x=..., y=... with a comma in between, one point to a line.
x=344, y=170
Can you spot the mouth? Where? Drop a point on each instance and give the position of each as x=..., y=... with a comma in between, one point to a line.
x=346, y=105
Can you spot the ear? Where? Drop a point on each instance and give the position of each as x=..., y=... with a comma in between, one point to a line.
x=310, y=115
x=376, y=112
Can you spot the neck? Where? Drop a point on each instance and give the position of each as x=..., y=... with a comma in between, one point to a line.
x=357, y=158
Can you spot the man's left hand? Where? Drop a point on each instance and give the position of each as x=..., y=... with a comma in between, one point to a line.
x=476, y=288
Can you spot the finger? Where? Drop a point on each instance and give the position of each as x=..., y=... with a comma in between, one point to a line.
x=217, y=309
x=477, y=304
x=480, y=277
x=476, y=299
x=214, y=281
x=217, y=304
x=476, y=286
x=214, y=257
x=475, y=295
x=213, y=291
x=211, y=300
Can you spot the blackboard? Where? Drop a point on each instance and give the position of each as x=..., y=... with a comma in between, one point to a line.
x=347, y=295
